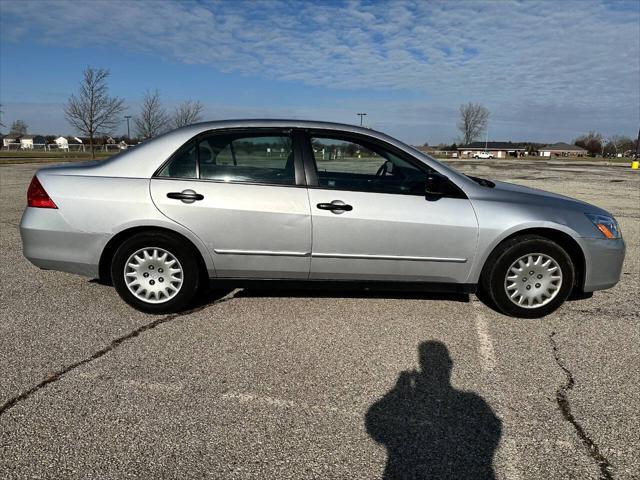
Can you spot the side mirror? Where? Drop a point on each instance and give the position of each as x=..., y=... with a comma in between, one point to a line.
x=435, y=185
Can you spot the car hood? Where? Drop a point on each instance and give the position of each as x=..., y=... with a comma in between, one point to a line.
x=513, y=193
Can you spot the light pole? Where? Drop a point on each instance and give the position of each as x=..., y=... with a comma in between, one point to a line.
x=361, y=115
x=128, y=132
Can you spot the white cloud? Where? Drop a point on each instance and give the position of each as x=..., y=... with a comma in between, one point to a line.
x=551, y=56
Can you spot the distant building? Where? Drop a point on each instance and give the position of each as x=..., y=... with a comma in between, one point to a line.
x=496, y=149
x=28, y=142
x=62, y=143
x=11, y=141
x=436, y=152
x=426, y=149
x=562, y=149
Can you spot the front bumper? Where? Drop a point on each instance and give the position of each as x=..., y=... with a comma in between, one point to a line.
x=604, y=260
x=49, y=242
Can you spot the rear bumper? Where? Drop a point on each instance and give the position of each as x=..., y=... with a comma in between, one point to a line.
x=604, y=260
x=49, y=242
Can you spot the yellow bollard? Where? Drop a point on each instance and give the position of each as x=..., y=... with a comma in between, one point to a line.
x=635, y=165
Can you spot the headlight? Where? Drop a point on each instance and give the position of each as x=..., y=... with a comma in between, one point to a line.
x=606, y=224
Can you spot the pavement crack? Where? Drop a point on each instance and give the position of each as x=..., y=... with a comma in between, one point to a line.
x=54, y=377
x=565, y=407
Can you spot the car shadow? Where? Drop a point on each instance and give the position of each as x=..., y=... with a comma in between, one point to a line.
x=488, y=302
x=430, y=429
x=218, y=289
x=344, y=291
x=210, y=295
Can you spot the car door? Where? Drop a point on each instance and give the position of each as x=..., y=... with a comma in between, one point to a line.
x=372, y=221
x=243, y=194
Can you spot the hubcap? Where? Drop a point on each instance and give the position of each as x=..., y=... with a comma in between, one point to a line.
x=533, y=280
x=153, y=275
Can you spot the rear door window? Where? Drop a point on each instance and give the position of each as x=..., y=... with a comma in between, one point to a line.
x=247, y=158
x=251, y=157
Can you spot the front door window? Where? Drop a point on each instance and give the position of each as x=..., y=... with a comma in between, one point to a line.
x=345, y=164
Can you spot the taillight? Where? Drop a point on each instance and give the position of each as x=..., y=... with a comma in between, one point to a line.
x=37, y=196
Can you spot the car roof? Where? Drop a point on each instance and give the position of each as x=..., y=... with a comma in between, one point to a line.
x=144, y=159
x=285, y=123
x=278, y=122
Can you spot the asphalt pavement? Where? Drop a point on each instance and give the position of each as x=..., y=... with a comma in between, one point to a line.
x=321, y=384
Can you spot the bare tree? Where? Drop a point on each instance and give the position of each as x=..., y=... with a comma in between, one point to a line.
x=592, y=142
x=93, y=112
x=186, y=113
x=19, y=128
x=152, y=119
x=618, y=144
x=473, y=121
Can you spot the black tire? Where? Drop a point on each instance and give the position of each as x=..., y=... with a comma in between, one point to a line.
x=495, y=271
x=184, y=253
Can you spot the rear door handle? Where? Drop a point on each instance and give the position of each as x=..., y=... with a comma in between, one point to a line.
x=336, y=206
x=187, y=196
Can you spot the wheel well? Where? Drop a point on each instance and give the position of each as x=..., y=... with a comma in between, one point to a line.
x=565, y=240
x=104, y=267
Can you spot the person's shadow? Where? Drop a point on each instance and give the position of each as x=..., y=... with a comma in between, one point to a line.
x=430, y=429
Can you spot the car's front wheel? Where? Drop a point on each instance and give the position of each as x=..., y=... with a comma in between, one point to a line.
x=529, y=276
x=155, y=272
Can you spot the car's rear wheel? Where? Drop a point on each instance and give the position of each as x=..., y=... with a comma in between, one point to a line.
x=529, y=276
x=155, y=272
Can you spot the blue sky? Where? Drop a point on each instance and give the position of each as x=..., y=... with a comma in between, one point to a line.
x=547, y=71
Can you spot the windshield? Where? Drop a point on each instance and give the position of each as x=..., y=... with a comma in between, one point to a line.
x=450, y=170
x=442, y=168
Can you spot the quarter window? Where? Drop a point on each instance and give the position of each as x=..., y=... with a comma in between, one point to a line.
x=183, y=163
x=344, y=164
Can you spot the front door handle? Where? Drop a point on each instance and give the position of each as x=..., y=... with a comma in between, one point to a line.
x=336, y=206
x=187, y=196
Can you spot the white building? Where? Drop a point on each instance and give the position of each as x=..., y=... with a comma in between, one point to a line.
x=62, y=143
x=11, y=141
x=562, y=149
x=29, y=142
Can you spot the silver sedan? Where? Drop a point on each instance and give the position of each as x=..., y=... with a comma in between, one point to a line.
x=315, y=202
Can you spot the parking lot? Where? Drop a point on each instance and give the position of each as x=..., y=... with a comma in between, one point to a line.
x=321, y=384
